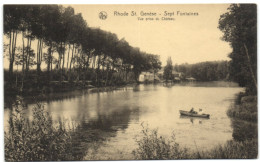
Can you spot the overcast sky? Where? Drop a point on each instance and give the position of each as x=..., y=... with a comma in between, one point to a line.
x=187, y=39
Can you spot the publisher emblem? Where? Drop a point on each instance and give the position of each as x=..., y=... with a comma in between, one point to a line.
x=102, y=15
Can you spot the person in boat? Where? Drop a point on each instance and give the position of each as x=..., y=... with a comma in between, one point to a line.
x=192, y=111
x=201, y=111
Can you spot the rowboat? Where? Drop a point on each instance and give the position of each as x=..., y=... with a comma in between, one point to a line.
x=187, y=113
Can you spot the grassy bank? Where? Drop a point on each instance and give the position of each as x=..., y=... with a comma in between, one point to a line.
x=244, y=144
x=245, y=108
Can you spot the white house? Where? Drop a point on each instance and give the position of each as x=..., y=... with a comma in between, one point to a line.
x=147, y=76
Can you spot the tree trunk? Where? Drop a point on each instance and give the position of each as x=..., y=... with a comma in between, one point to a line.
x=68, y=58
x=112, y=72
x=97, y=71
x=250, y=67
x=63, y=55
x=86, y=68
x=27, y=54
x=12, y=54
x=60, y=59
x=21, y=89
x=28, y=59
x=71, y=63
x=39, y=46
x=49, y=58
x=107, y=75
x=49, y=62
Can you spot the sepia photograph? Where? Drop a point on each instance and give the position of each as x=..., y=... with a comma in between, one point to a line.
x=129, y=81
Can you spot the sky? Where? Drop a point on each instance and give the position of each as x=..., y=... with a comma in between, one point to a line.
x=186, y=39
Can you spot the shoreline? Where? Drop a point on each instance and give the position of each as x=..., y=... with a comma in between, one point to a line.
x=60, y=93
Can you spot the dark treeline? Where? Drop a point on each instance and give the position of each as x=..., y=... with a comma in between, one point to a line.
x=239, y=26
x=205, y=71
x=70, y=50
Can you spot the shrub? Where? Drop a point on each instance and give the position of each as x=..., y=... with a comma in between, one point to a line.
x=247, y=149
x=245, y=108
x=154, y=147
x=35, y=140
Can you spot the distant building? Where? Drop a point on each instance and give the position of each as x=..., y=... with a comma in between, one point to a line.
x=190, y=79
x=148, y=76
x=177, y=74
x=177, y=79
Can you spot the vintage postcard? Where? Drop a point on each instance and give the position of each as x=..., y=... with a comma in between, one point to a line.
x=130, y=82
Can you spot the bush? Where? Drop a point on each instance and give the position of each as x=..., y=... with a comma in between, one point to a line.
x=35, y=140
x=154, y=147
x=245, y=108
x=247, y=149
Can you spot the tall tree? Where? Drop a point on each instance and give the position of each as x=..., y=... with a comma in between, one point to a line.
x=167, y=73
x=12, y=21
x=239, y=26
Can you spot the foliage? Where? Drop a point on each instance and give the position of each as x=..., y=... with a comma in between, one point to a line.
x=35, y=140
x=151, y=146
x=167, y=73
x=246, y=110
x=154, y=147
x=205, y=71
x=239, y=26
x=233, y=150
x=58, y=32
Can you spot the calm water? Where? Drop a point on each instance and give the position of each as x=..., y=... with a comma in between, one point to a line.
x=113, y=119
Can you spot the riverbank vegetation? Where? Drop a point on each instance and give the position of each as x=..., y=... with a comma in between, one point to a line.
x=151, y=146
x=205, y=71
x=50, y=45
x=38, y=139
x=245, y=108
x=240, y=30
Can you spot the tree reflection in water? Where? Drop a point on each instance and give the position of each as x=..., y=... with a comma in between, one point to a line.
x=91, y=134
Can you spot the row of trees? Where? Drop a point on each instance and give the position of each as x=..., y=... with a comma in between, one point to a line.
x=239, y=26
x=65, y=43
x=205, y=71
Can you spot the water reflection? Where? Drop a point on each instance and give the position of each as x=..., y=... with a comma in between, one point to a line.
x=194, y=120
x=168, y=85
x=110, y=119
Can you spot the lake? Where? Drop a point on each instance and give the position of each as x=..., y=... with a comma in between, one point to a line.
x=109, y=122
